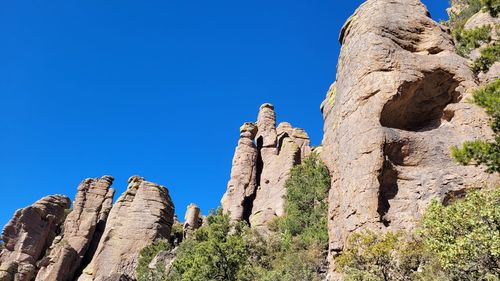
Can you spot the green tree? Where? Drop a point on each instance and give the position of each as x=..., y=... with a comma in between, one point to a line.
x=483, y=152
x=146, y=256
x=492, y=6
x=465, y=236
x=488, y=56
x=216, y=252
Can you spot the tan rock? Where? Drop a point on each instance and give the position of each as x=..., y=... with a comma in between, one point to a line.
x=243, y=182
x=257, y=186
x=143, y=214
x=400, y=104
x=192, y=220
x=90, y=211
x=28, y=235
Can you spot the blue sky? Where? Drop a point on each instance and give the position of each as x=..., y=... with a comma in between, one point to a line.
x=155, y=88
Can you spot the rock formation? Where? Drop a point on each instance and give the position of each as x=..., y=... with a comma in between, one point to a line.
x=261, y=165
x=28, y=235
x=398, y=105
x=82, y=228
x=192, y=220
x=144, y=213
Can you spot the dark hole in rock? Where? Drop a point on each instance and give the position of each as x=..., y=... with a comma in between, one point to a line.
x=448, y=115
x=248, y=206
x=260, y=162
x=396, y=152
x=281, y=139
x=388, y=180
x=419, y=104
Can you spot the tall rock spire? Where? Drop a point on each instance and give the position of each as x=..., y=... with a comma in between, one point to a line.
x=143, y=214
x=81, y=229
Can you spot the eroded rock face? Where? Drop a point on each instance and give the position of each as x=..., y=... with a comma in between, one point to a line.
x=28, y=235
x=192, y=220
x=261, y=165
x=82, y=228
x=398, y=105
x=144, y=213
x=243, y=183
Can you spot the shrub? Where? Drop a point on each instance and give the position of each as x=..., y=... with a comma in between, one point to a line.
x=489, y=55
x=456, y=242
x=146, y=256
x=457, y=22
x=218, y=251
x=482, y=152
x=468, y=40
x=492, y=6
x=465, y=236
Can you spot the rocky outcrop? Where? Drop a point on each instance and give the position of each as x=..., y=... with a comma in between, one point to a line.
x=82, y=229
x=192, y=220
x=243, y=183
x=28, y=235
x=398, y=105
x=261, y=165
x=143, y=214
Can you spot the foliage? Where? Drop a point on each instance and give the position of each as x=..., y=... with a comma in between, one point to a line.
x=146, y=255
x=306, y=204
x=465, y=236
x=492, y=6
x=218, y=251
x=468, y=40
x=489, y=55
x=456, y=242
x=482, y=152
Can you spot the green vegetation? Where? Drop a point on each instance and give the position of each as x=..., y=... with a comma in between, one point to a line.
x=295, y=249
x=465, y=236
x=144, y=273
x=456, y=242
x=492, y=6
x=481, y=152
x=489, y=55
x=468, y=40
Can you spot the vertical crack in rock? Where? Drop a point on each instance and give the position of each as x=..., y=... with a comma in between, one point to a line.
x=143, y=214
x=28, y=235
x=261, y=165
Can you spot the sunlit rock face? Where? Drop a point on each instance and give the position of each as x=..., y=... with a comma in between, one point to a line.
x=264, y=157
x=82, y=230
x=398, y=105
x=143, y=214
x=28, y=235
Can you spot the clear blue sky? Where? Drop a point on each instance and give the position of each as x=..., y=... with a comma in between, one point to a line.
x=155, y=88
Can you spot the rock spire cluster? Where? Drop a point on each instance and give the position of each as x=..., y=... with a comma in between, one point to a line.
x=264, y=157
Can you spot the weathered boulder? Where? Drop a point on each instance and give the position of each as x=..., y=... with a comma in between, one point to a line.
x=192, y=220
x=143, y=214
x=261, y=165
x=91, y=207
x=28, y=235
x=243, y=183
x=398, y=105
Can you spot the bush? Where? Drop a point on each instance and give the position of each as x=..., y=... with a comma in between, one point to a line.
x=465, y=236
x=456, y=242
x=492, y=6
x=482, y=152
x=468, y=40
x=146, y=256
x=457, y=22
x=218, y=251
x=489, y=55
